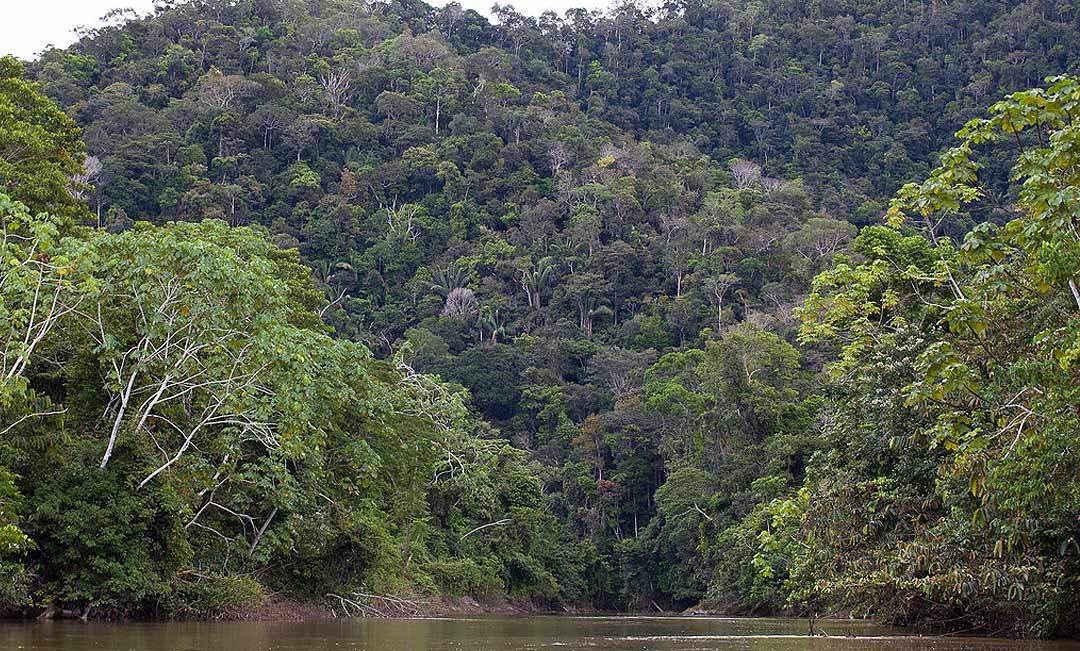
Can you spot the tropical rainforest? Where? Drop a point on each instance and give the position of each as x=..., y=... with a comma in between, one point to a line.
x=736, y=306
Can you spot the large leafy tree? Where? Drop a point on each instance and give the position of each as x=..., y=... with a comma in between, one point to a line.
x=223, y=425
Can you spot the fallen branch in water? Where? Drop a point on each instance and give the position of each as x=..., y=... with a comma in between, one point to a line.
x=392, y=606
x=361, y=609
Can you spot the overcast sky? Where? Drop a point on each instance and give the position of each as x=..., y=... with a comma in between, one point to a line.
x=29, y=25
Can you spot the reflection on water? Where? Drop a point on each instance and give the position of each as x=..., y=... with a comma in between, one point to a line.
x=493, y=634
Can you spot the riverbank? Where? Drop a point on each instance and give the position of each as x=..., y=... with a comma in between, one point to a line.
x=276, y=609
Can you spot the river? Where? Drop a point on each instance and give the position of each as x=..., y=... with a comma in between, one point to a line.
x=493, y=634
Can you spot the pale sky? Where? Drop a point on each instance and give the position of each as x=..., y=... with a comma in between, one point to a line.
x=29, y=25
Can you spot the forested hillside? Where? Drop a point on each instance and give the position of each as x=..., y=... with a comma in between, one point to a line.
x=610, y=310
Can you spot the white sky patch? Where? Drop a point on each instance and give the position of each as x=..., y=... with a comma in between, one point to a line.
x=29, y=26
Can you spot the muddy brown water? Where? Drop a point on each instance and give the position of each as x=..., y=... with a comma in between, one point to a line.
x=494, y=634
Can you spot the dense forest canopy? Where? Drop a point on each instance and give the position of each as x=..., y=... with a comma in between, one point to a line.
x=668, y=307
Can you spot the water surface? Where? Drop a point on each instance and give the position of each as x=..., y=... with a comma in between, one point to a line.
x=493, y=634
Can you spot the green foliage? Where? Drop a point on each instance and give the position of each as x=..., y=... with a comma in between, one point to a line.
x=754, y=556
x=992, y=382
x=465, y=577
x=38, y=287
x=37, y=282
x=40, y=148
x=194, y=594
x=218, y=427
x=108, y=546
x=601, y=243
x=14, y=544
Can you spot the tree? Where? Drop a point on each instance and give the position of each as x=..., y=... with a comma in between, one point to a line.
x=442, y=86
x=820, y=237
x=534, y=279
x=270, y=119
x=222, y=420
x=460, y=304
x=337, y=86
x=618, y=370
x=40, y=151
x=674, y=532
x=588, y=290
x=755, y=374
x=39, y=287
x=181, y=346
x=535, y=153
x=718, y=287
x=490, y=372
x=217, y=92
x=747, y=174
x=674, y=392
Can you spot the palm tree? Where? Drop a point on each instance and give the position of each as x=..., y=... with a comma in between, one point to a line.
x=590, y=293
x=535, y=279
x=591, y=313
x=490, y=319
x=564, y=251
x=449, y=278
